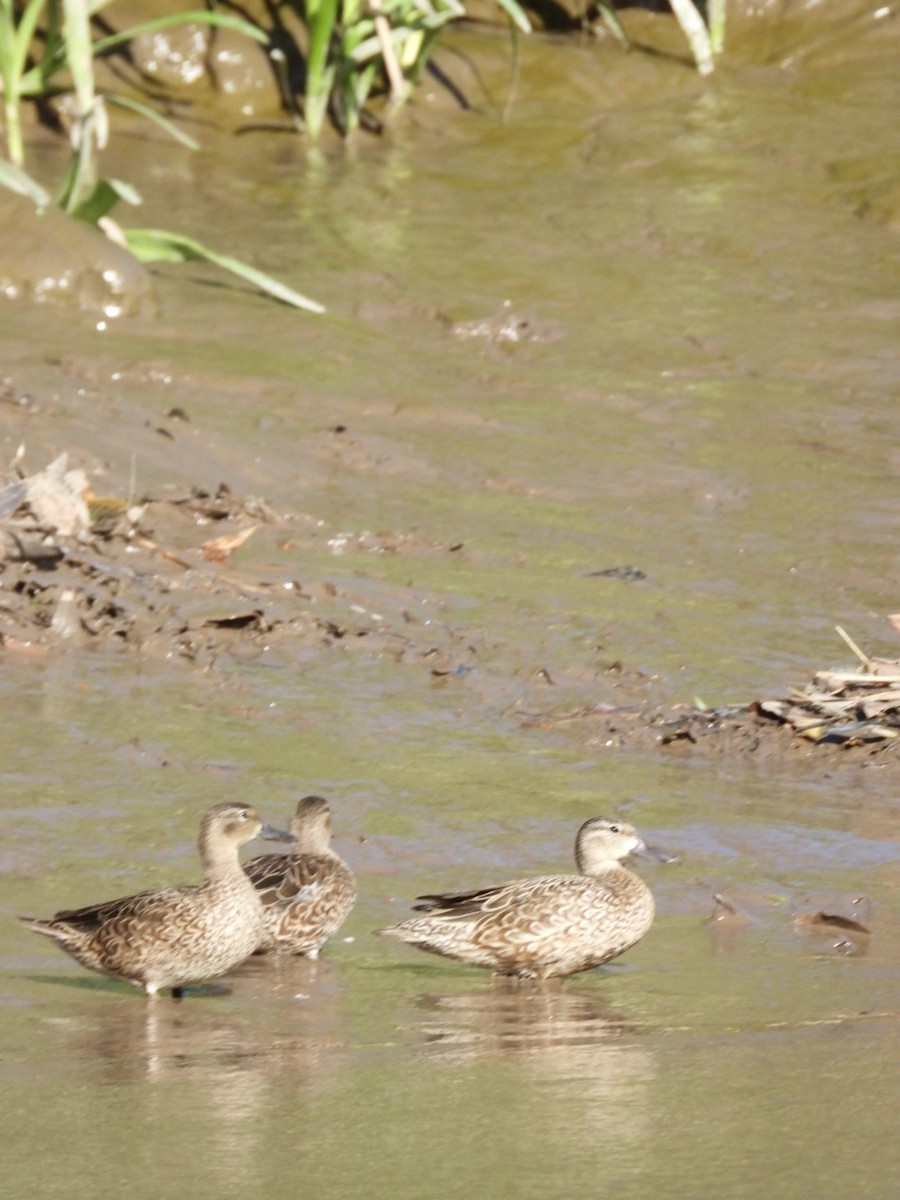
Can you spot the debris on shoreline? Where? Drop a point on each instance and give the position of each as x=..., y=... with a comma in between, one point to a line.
x=844, y=707
x=856, y=708
x=79, y=568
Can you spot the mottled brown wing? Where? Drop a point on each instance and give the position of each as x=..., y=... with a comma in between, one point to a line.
x=520, y=901
x=131, y=936
x=456, y=904
x=93, y=916
x=280, y=878
x=266, y=873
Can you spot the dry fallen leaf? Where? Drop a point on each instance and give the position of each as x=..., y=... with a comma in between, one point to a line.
x=55, y=496
x=11, y=496
x=219, y=549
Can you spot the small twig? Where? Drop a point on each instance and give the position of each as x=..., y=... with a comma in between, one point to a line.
x=863, y=658
x=246, y=589
x=146, y=543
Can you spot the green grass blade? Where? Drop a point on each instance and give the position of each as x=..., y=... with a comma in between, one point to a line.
x=79, y=52
x=516, y=15
x=220, y=20
x=17, y=37
x=695, y=31
x=715, y=17
x=151, y=114
x=321, y=20
x=514, y=73
x=156, y=245
x=103, y=198
x=89, y=130
x=610, y=19
x=15, y=41
x=15, y=179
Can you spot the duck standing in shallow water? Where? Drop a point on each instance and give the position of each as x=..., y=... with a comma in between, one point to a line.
x=178, y=935
x=548, y=926
x=308, y=893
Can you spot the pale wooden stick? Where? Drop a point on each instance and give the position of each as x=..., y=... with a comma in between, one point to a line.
x=388, y=53
x=863, y=658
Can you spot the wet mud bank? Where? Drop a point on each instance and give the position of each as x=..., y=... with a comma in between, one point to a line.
x=215, y=580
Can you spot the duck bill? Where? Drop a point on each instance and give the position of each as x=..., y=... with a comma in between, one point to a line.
x=654, y=854
x=271, y=834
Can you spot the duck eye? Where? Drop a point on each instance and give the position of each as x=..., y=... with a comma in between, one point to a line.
x=614, y=829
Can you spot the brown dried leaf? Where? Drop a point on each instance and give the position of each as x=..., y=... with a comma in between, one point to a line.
x=104, y=510
x=815, y=732
x=148, y=544
x=55, y=495
x=221, y=548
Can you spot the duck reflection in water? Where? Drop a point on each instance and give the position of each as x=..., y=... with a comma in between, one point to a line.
x=509, y=1018
x=567, y=1042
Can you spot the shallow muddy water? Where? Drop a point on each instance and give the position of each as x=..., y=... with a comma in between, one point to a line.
x=696, y=378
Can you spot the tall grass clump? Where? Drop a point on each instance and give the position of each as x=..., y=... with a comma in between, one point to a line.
x=359, y=47
x=47, y=49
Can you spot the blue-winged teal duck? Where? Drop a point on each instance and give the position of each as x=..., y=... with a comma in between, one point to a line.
x=178, y=935
x=548, y=926
x=307, y=893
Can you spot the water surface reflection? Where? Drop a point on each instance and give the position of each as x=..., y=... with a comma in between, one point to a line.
x=576, y=1049
x=513, y=1017
x=167, y=1040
